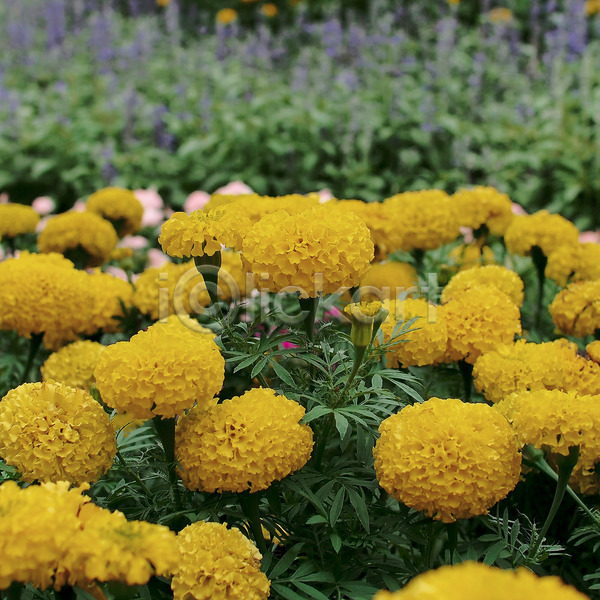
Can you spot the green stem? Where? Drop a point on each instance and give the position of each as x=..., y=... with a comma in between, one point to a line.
x=133, y=474
x=419, y=257
x=452, y=531
x=466, y=372
x=66, y=592
x=165, y=428
x=34, y=345
x=566, y=464
x=539, y=261
x=251, y=509
x=323, y=441
x=208, y=267
x=535, y=458
x=309, y=305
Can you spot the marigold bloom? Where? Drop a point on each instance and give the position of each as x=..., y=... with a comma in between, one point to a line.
x=74, y=364
x=111, y=294
x=593, y=351
x=319, y=250
x=161, y=371
x=541, y=229
x=16, y=219
x=203, y=233
x=226, y=16
x=475, y=581
x=269, y=9
x=79, y=232
x=217, y=564
x=493, y=275
x=447, y=458
x=120, y=207
x=427, y=219
x=468, y=256
x=576, y=309
x=483, y=205
x=43, y=293
x=554, y=421
x=245, y=443
x=500, y=15
x=477, y=321
x=53, y=432
x=579, y=262
x=592, y=7
x=424, y=346
x=388, y=280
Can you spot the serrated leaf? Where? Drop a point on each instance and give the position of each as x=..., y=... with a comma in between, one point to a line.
x=494, y=552
x=315, y=413
x=360, y=507
x=341, y=423
x=285, y=562
x=282, y=373
x=311, y=591
x=336, y=507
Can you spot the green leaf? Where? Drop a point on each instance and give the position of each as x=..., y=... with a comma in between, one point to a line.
x=336, y=542
x=259, y=366
x=315, y=413
x=311, y=591
x=336, y=507
x=341, y=423
x=286, y=561
x=286, y=592
x=494, y=552
x=282, y=373
x=360, y=507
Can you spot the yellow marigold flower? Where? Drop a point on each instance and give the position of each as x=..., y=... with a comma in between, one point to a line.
x=161, y=371
x=245, y=443
x=217, y=564
x=16, y=219
x=74, y=364
x=121, y=253
x=447, y=458
x=424, y=346
x=269, y=9
x=163, y=2
x=226, y=16
x=500, y=15
x=541, y=229
x=111, y=548
x=483, y=205
x=522, y=366
x=43, y=293
x=319, y=250
x=53, y=432
x=593, y=351
x=579, y=262
x=493, y=275
x=388, y=280
x=385, y=233
x=178, y=289
x=467, y=256
x=554, y=421
x=120, y=207
x=427, y=219
x=80, y=236
x=255, y=207
x=477, y=321
x=365, y=318
x=592, y=7
x=203, y=233
x=576, y=309
x=109, y=293
x=37, y=525
x=476, y=581
x=185, y=322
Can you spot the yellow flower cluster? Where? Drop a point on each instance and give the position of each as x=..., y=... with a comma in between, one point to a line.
x=217, y=563
x=579, y=262
x=255, y=207
x=541, y=229
x=109, y=292
x=74, y=364
x=476, y=581
x=501, y=278
x=593, y=351
x=478, y=321
x=592, y=7
x=426, y=219
x=575, y=310
x=388, y=280
x=467, y=256
x=483, y=205
x=120, y=207
x=203, y=233
x=424, y=346
x=72, y=233
x=53, y=432
x=182, y=289
x=500, y=15
x=16, y=219
x=554, y=421
x=449, y=459
x=53, y=536
x=245, y=443
x=316, y=251
x=161, y=371
x=44, y=294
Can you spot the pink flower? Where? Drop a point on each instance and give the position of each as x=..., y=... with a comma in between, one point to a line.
x=79, y=206
x=149, y=198
x=196, y=201
x=332, y=314
x=325, y=195
x=43, y=205
x=152, y=217
x=156, y=258
x=589, y=237
x=135, y=242
x=467, y=234
x=41, y=224
x=235, y=188
x=518, y=209
x=117, y=272
x=4, y=198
